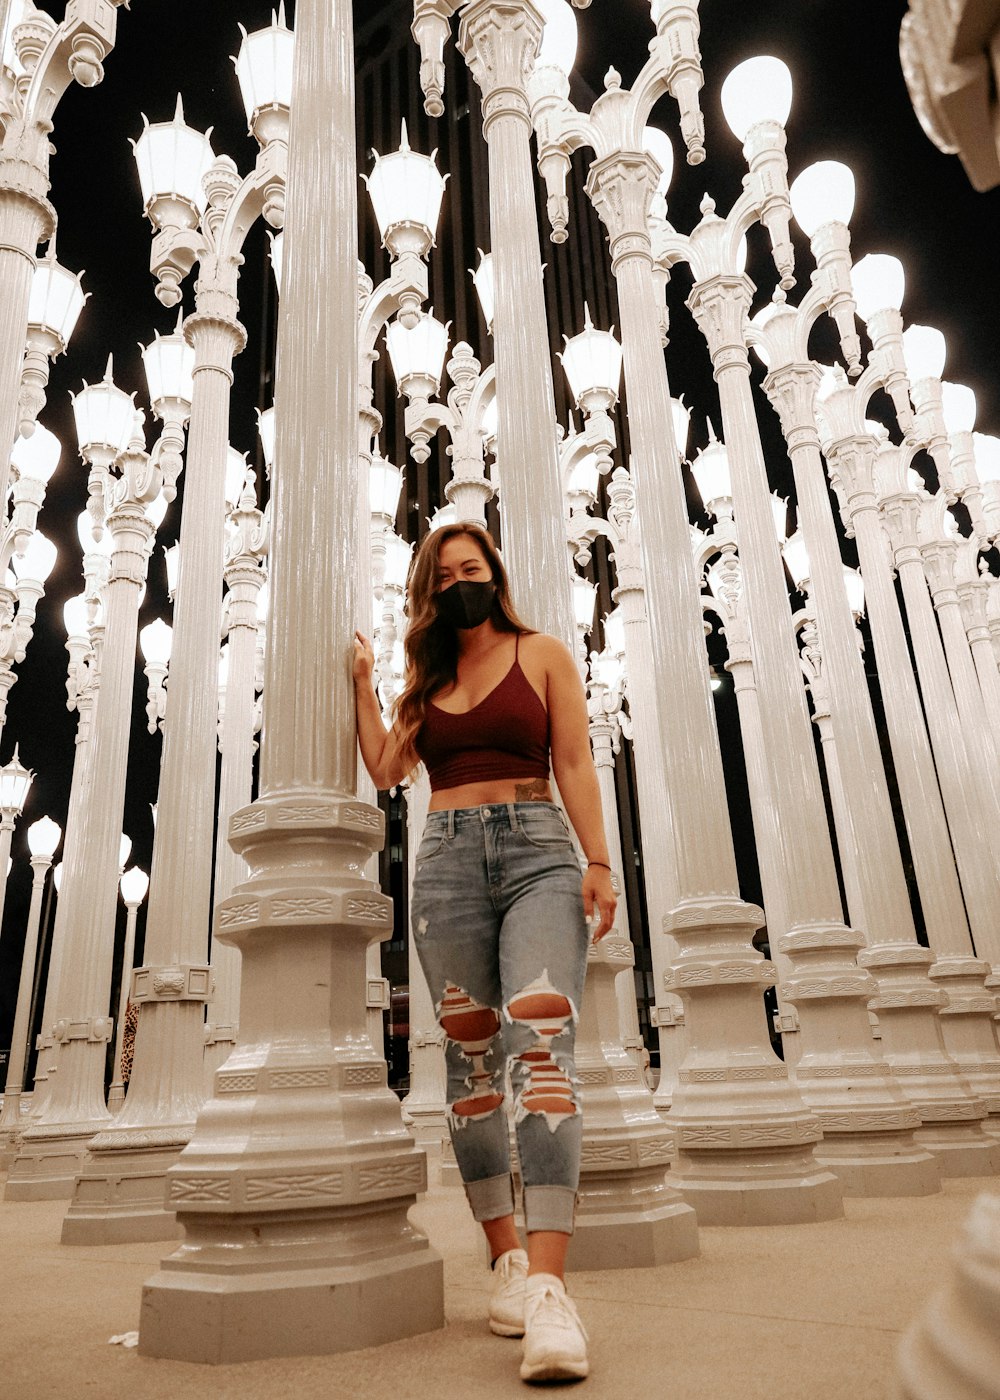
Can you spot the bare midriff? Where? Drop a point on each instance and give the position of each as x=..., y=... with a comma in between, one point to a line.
x=496, y=791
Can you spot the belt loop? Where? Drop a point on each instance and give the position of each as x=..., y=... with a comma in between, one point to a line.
x=512, y=816
x=451, y=822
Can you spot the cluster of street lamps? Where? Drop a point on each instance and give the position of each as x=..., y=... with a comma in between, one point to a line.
x=272, y=984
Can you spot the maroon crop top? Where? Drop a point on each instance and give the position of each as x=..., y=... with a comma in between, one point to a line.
x=505, y=736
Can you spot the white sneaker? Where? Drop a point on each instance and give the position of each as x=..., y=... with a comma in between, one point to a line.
x=507, y=1300
x=555, y=1342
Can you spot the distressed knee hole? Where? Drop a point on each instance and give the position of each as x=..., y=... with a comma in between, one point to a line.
x=547, y=1089
x=472, y=1027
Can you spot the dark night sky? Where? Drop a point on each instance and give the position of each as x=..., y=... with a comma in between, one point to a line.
x=850, y=103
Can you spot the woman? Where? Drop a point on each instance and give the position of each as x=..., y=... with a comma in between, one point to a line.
x=499, y=912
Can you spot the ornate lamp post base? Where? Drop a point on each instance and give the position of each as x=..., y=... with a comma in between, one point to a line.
x=313, y=1283
x=119, y=1194
x=47, y=1162
x=629, y=1215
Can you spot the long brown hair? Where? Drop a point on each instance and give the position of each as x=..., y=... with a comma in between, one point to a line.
x=430, y=644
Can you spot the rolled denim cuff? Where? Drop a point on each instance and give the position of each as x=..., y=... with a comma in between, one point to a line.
x=491, y=1198
x=549, y=1208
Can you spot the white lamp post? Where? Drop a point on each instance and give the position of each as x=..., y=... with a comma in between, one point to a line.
x=623, y=184
x=201, y=212
x=43, y=840
x=343, y=1149
x=75, y=1107
x=105, y=418
x=133, y=885
x=169, y=365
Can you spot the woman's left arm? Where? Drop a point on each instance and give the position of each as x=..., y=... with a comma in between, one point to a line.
x=576, y=778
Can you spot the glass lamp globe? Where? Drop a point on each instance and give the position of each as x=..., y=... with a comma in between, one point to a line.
x=56, y=875
x=37, y=457
x=417, y=352
x=277, y=257
x=56, y=300
x=987, y=449
x=958, y=402
x=680, y=416
x=172, y=560
x=263, y=601
x=855, y=586
x=584, y=598
x=444, y=515
x=608, y=669
x=105, y=546
x=483, y=281
x=236, y=475
x=491, y=419
x=172, y=158
x=267, y=429
x=397, y=561
x=924, y=352
x=758, y=90
x=124, y=850
x=76, y=616
x=657, y=143
x=796, y=556
x=822, y=194
x=157, y=509
x=264, y=69
x=593, y=364
x=224, y=666
x=614, y=632
x=134, y=885
x=879, y=283
x=584, y=477
x=104, y=416
x=711, y=473
x=37, y=562
x=779, y=511
x=406, y=190
x=15, y=780
x=169, y=365
x=156, y=640
x=44, y=837
x=559, y=37
x=385, y=483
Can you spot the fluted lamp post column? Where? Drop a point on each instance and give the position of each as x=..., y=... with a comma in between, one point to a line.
x=50, y=57
x=133, y=884
x=53, y=1148
x=43, y=840
x=295, y=1185
x=744, y=1135
x=202, y=212
x=245, y=572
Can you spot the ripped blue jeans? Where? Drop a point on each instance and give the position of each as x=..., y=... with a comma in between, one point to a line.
x=499, y=928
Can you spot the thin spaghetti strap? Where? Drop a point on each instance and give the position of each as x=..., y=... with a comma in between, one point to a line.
x=517, y=643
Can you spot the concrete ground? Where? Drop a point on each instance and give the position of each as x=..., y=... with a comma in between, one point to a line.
x=804, y=1312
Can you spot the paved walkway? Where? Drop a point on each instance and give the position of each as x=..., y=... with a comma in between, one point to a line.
x=807, y=1312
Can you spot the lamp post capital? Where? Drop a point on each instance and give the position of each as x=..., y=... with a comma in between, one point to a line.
x=500, y=41
x=719, y=304
x=622, y=186
x=791, y=389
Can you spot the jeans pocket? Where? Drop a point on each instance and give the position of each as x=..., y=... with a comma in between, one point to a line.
x=432, y=845
x=546, y=830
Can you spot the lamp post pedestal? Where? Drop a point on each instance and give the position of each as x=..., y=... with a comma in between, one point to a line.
x=630, y=1214
x=10, y=1116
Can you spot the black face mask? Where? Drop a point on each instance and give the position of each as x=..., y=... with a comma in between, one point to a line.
x=466, y=604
